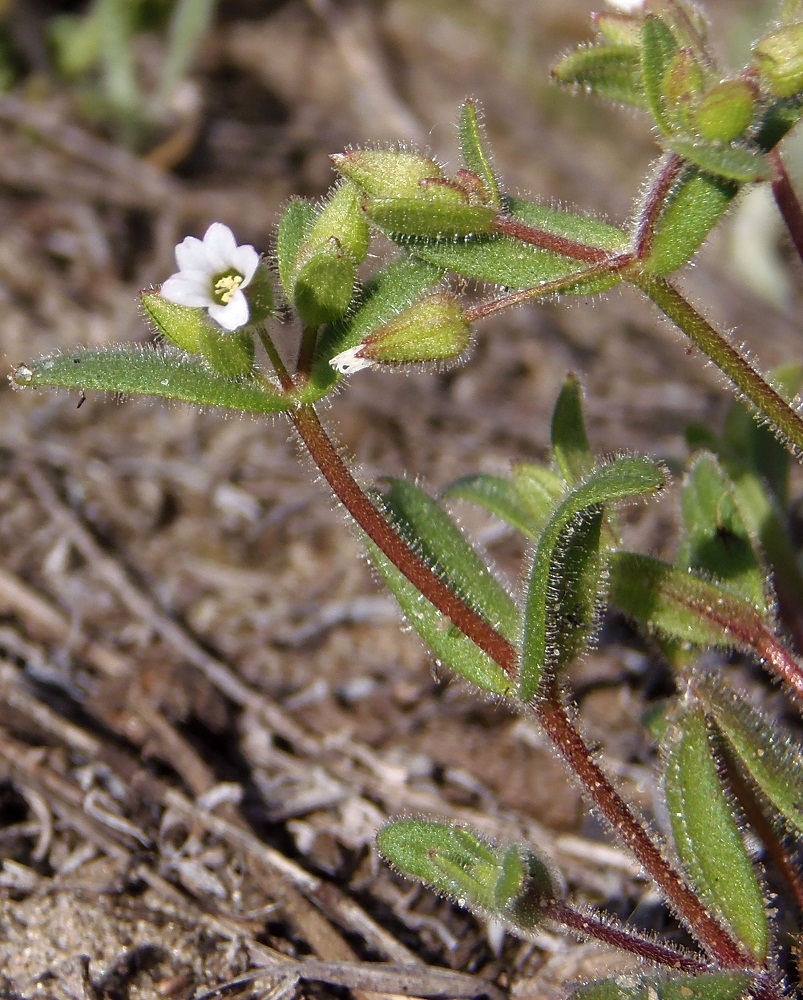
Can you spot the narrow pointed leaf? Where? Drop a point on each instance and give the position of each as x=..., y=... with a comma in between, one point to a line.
x=150, y=371
x=658, y=48
x=733, y=161
x=506, y=261
x=611, y=71
x=697, y=202
x=771, y=760
x=566, y=578
x=295, y=225
x=715, y=539
x=569, y=439
x=707, y=837
x=507, y=882
x=677, y=604
x=705, y=986
x=435, y=536
x=527, y=510
x=540, y=490
x=476, y=156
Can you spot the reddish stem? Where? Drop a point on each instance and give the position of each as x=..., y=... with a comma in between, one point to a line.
x=588, y=925
x=520, y=231
x=659, y=191
x=394, y=547
x=554, y=717
x=551, y=712
x=787, y=201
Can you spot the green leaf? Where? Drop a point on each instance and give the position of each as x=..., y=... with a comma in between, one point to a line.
x=705, y=986
x=715, y=540
x=610, y=71
x=436, y=537
x=540, y=490
x=438, y=540
x=509, y=262
x=396, y=287
x=499, y=495
x=706, y=834
x=697, y=202
x=566, y=577
x=658, y=49
x=507, y=882
x=731, y=161
x=676, y=603
x=295, y=225
x=771, y=760
x=569, y=439
x=151, y=371
x=473, y=147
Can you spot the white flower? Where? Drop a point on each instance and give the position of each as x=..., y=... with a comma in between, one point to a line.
x=212, y=274
x=347, y=362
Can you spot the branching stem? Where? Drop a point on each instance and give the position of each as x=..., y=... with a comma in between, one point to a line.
x=787, y=201
x=507, y=226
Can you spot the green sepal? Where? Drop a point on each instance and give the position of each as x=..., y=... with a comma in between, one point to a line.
x=296, y=222
x=697, y=202
x=433, y=534
x=506, y=261
x=706, y=834
x=715, y=540
x=387, y=173
x=181, y=325
x=342, y=219
x=228, y=354
x=610, y=71
x=507, y=882
x=731, y=161
x=441, y=217
x=570, y=445
x=395, y=288
x=658, y=49
x=779, y=58
x=324, y=285
x=677, y=604
x=704, y=986
x=434, y=328
x=150, y=371
x=726, y=111
x=566, y=579
x=771, y=761
x=473, y=143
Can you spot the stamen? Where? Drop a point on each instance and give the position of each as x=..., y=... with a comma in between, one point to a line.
x=224, y=287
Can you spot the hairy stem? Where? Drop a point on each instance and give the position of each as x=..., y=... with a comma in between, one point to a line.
x=554, y=717
x=550, y=711
x=520, y=231
x=366, y=515
x=787, y=201
x=612, y=265
x=660, y=189
x=770, y=404
x=588, y=925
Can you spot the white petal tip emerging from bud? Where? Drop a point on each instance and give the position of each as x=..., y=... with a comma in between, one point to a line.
x=347, y=362
x=627, y=6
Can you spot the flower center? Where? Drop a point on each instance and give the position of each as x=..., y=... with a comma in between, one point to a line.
x=225, y=285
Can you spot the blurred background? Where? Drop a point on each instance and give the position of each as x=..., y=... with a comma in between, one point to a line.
x=125, y=126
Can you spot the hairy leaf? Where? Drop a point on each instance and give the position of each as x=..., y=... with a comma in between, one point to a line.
x=611, y=71
x=705, y=986
x=569, y=439
x=295, y=225
x=706, y=834
x=658, y=48
x=733, y=161
x=473, y=143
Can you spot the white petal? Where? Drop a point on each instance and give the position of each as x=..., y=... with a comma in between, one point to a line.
x=246, y=261
x=628, y=6
x=185, y=289
x=191, y=255
x=220, y=247
x=233, y=315
x=347, y=362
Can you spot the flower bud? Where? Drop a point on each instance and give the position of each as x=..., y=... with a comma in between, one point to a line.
x=433, y=329
x=324, y=285
x=341, y=219
x=229, y=354
x=779, y=57
x=181, y=325
x=726, y=111
x=386, y=173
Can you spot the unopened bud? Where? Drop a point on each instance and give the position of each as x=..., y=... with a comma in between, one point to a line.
x=779, y=56
x=342, y=219
x=386, y=173
x=433, y=329
x=726, y=111
x=324, y=285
